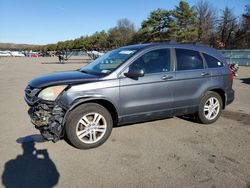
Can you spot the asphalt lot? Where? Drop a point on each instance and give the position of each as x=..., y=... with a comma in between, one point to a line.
x=167, y=153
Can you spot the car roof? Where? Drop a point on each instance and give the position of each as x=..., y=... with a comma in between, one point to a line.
x=197, y=47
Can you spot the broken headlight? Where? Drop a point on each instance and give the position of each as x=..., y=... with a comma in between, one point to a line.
x=51, y=93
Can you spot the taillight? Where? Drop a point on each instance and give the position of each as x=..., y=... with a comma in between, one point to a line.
x=231, y=73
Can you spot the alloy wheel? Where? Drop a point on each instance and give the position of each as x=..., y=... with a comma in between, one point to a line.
x=91, y=128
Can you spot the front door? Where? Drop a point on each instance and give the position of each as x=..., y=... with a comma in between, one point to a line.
x=150, y=96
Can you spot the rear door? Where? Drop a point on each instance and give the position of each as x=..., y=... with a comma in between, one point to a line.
x=191, y=78
x=220, y=74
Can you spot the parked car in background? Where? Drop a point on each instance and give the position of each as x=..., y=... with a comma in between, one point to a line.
x=127, y=85
x=33, y=54
x=94, y=54
x=17, y=54
x=43, y=54
x=5, y=54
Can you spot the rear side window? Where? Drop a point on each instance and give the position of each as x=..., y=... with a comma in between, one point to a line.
x=212, y=62
x=188, y=59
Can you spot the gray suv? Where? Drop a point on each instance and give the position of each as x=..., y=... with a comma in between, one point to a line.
x=130, y=84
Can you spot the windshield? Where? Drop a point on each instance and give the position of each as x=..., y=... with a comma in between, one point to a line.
x=108, y=62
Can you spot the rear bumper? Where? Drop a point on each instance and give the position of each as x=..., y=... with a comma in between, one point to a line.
x=230, y=97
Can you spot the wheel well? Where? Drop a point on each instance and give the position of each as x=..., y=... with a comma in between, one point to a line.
x=222, y=95
x=106, y=104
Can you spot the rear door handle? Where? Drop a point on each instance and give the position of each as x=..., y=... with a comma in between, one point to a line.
x=166, y=77
x=205, y=74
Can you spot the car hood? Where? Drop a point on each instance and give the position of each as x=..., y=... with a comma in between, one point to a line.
x=60, y=78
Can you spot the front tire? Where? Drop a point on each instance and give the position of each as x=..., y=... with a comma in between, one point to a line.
x=210, y=108
x=88, y=126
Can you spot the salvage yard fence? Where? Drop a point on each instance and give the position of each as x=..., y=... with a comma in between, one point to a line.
x=241, y=57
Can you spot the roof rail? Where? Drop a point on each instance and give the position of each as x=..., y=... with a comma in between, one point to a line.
x=170, y=41
x=198, y=43
x=165, y=42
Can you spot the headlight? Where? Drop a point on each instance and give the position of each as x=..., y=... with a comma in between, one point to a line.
x=51, y=93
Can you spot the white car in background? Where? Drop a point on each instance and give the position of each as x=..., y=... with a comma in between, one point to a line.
x=94, y=54
x=5, y=54
x=17, y=54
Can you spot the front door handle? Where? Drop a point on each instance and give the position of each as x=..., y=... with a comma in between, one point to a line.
x=205, y=74
x=166, y=77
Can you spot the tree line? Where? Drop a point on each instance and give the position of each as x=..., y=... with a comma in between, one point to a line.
x=186, y=24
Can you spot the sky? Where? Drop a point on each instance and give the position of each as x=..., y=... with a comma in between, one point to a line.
x=50, y=21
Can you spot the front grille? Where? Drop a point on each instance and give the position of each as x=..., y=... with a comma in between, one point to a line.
x=28, y=97
x=28, y=89
x=30, y=94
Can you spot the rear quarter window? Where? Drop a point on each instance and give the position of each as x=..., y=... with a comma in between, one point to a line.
x=212, y=62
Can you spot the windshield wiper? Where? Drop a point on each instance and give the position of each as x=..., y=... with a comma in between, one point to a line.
x=93, y=73
x=84, y=71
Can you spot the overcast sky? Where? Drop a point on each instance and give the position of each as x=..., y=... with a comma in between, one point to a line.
x=49, y=21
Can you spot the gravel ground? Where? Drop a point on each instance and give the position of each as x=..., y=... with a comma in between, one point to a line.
x=167, y=153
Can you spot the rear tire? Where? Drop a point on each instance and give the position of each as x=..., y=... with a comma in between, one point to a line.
x=88, y=126
x=210, y=108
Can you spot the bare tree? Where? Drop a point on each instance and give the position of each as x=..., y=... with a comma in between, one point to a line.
x=246, y=19
x=242, y=36
x=206, y=21
x=125, y=23
x=122, y=34
x=227, y=28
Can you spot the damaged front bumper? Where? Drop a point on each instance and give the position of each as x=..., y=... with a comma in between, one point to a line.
x=48, y=120
x=47, y=117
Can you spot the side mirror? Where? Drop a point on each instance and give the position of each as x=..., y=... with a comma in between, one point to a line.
x=135, y=73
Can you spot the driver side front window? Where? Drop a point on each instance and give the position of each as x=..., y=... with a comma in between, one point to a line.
x=155, y=61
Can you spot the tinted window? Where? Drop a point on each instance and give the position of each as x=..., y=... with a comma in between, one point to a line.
x=212, y=62
x=153, y=62
x=188, y=59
